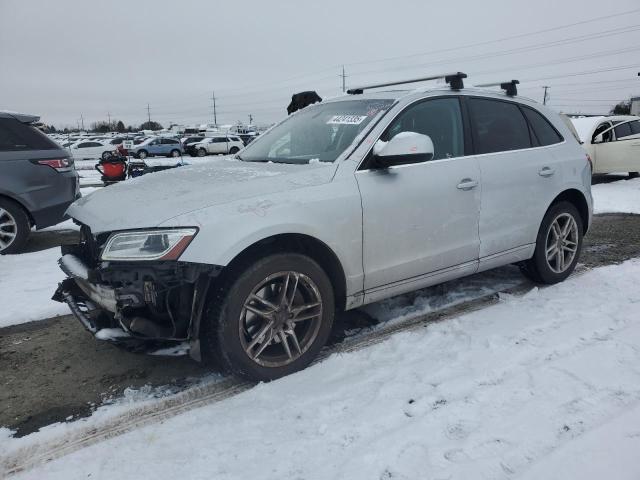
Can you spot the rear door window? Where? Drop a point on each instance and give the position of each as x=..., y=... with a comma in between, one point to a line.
x=17, y=136
x=623, y=130
x=544, y=133
x=635, y=127
x=498, y=126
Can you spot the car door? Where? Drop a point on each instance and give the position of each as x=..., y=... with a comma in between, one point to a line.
x=520, y=176
x=605, y=151
x=420, y=221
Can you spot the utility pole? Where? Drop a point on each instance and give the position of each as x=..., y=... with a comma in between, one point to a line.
x=148, y=113
x=215, y=116
x=250, y=119
x=82, y=120
x=344, y=77
x=109, y=117
x=544, y=100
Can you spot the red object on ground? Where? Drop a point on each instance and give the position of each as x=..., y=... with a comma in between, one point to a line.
x=113, y=170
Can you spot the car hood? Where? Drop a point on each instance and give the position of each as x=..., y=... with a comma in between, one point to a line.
x=150, y=200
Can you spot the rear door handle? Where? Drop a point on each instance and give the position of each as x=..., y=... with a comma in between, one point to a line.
x=546, y=172
x=467, y=184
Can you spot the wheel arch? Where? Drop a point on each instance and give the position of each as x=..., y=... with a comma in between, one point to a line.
x=21, y=205
x=296, y=243
x=577, y=198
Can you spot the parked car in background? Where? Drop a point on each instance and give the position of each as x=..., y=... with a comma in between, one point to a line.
x=186, y=141
x=227, y=145
x=38, y=181
x=154, y=146
x=346, y=202
x=612, y=142
x=91, y=150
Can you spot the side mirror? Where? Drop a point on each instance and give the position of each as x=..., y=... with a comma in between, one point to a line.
x=598, y=138
x=405, y=147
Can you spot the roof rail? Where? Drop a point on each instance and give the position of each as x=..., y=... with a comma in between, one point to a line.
x=509, y=87
x=453, y=79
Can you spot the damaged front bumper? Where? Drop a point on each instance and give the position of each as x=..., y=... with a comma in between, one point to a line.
x=143, y=307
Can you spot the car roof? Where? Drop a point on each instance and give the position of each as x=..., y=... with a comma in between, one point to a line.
x=21, y=117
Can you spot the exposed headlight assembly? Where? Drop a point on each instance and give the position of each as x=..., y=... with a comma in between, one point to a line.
x=148, y=244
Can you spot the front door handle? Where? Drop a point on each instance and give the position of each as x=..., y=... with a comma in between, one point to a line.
x=467, y=184
x=546, y=172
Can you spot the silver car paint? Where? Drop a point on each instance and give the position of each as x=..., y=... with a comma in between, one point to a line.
x=408, y=241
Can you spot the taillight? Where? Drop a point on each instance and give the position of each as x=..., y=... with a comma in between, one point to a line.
x=59, y=164
x=590, y=162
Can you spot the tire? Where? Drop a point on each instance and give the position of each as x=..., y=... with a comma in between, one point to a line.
x=14, y=227
x=174, y=153
x=234, y=150
x=634, y=174
x=201, y=152
x=549, y=268
x=233, y=336
x=106, y=155
x=142, y=154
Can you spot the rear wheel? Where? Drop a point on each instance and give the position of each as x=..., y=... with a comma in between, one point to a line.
x=106, y=155
x=175, y=153
x=558, y=245
x=14, y=227
x=234, y=150
x=142, y=154
x=271, y=319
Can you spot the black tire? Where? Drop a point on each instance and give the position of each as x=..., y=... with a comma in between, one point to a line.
x=234, y=150
x=106, y=155
x=174, y=153
x=634, y=174
x=142, y=154
x=19, y=228
x=538, y=268
x=221, y=340
x=201, y=152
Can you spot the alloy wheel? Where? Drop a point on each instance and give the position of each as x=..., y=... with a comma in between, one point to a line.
x=561, y=245
x=8, y=229
x=280, y=319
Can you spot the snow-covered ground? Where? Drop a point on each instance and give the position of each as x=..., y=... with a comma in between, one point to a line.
x=27, y=282
x=543, y=386
x=621, y=196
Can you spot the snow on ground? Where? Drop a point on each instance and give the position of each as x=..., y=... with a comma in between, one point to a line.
x=543, y=386
x=27, y=282
x=622, y=196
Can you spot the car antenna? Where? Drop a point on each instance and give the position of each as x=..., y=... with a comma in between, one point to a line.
x=509, y=87
x=453, y=79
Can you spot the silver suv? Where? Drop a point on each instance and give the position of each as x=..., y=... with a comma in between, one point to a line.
x=346, y=202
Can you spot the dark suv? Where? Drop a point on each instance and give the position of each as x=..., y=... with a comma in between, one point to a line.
x=38, y=181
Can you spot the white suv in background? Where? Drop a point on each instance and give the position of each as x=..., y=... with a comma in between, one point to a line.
x=344, y=203
x=612, y=142
x=221, y=144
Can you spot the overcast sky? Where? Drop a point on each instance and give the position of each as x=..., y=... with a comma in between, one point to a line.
x=66, y=58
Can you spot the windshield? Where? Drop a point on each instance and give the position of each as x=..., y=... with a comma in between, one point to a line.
x=317, y=133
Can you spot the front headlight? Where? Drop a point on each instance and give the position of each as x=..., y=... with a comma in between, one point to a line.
x=148, y=244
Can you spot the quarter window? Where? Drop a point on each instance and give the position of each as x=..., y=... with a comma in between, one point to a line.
x=440, y=119
x=635, y=127
x=543, y=131
x=498, y=126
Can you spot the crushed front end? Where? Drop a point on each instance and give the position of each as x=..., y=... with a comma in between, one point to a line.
x=142, y=304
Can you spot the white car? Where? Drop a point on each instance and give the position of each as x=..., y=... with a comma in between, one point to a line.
x=222, y=144
x=612, y=142
x=344, y=203
x=91, y=150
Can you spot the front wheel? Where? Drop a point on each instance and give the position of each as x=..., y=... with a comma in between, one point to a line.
x=106, y=155
x=202, y=152
x=558, y=245
x=142, y=154
x=271, y=319
x=234, y=150
x=634, y=174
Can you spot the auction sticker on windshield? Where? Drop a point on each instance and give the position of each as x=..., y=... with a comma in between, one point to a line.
x=346, y=120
